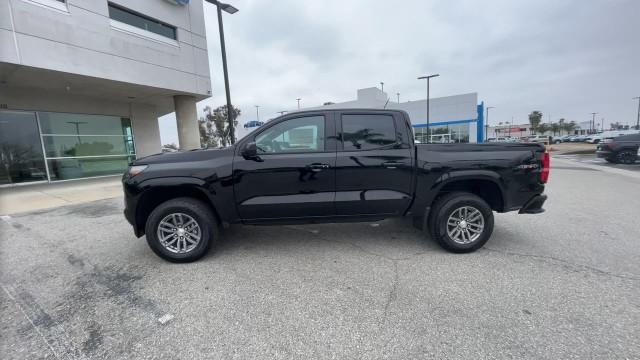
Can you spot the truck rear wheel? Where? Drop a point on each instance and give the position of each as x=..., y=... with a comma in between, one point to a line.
x=181, y=230
x=461, y=222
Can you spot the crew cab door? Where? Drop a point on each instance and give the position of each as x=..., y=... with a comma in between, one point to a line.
x=374, y=164
x=293, y=175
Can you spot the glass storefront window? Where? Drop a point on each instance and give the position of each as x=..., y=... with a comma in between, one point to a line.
x=65, y=169
x=75, y=146
x=79, y=145
x=21, y=158
x=80, y=124
x=454, y=133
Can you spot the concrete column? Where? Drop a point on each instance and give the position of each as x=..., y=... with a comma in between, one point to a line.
x=186, y=117
x=146, y=131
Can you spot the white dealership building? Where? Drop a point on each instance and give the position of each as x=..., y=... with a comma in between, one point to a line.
x=83, y=82
x=453, y=119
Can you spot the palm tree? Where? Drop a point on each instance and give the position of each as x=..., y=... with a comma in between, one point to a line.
x=561, y=125
x=534, y=119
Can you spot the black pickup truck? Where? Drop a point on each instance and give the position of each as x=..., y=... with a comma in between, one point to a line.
x=331, y=166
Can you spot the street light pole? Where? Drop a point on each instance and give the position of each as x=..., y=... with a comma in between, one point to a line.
x=593, y=122
x=382, y=85
x=638, y=121
x=299, y=102
x=428, y=77
x=257, y=112
x=77, y=124
x=398, y=97
x=230, y=113
x=486, y=126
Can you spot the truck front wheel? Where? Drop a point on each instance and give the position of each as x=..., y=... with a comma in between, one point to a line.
x=181, y=230
x=461, y=222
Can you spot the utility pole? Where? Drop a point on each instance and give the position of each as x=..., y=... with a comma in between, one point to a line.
x=299, y=102
x=638, y=121
x=486, y=134
x=428, y=77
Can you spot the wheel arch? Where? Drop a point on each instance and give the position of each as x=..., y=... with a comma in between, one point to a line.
x=484, y=183
x=158, y=193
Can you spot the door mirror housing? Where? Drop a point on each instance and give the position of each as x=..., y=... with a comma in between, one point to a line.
x=250, y=151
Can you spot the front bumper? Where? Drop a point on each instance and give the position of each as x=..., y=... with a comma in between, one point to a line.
x=604, y=153
x=534, y=205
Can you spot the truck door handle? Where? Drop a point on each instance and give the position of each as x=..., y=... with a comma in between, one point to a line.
x=392, y=164
x=316, y=167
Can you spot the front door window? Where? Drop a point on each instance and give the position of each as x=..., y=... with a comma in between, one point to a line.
x=305, y=134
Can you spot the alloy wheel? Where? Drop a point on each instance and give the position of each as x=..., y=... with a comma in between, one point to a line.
x=465, y=225
x=179, y=233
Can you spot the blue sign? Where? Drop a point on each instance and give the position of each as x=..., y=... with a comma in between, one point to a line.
x=179, y=2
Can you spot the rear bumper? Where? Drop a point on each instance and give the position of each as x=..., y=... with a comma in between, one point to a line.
x=534, y=205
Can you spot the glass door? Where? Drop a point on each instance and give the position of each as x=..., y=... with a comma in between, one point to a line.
x=21, y=157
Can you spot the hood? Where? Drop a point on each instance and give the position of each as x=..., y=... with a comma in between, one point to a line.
x=184, y=156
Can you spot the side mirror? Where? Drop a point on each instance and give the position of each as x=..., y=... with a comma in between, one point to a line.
x=250, y=151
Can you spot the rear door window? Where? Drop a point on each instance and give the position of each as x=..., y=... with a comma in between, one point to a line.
x=367, y=131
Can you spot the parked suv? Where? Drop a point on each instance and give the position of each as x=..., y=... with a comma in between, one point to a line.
x=539, y=139
x=623, y=149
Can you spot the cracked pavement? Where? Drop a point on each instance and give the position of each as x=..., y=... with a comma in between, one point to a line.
x=77, y=284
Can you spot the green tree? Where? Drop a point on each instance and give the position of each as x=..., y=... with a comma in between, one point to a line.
x=562, y=123
x=214, y=127
x=535, y=117
x=555, y=128
x=570, y=127
x=543, y=128
x=616, y=126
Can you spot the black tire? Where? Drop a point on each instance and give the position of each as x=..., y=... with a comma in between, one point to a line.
x=611, y=160
x=626, y=157
x=444, y=207
x=197, y=210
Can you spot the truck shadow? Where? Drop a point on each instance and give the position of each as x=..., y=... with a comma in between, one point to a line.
x=391, y=238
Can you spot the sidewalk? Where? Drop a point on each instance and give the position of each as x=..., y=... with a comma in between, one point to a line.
x=36, y=197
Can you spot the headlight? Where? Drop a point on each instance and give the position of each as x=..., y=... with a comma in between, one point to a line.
x=137, y=169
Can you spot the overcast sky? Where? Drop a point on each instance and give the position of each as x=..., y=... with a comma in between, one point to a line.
x=564, y=58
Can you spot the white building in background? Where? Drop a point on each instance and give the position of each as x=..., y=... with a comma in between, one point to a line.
x=82, y=83
x=456, y=118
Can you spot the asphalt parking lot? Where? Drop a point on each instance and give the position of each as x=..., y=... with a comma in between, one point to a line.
x=76, y=283
x=593, y=160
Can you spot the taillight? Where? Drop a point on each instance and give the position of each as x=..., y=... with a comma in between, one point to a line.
x=546, y=162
